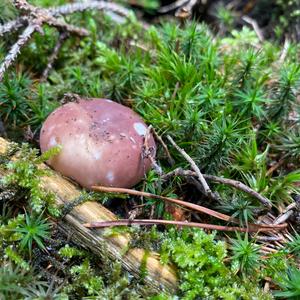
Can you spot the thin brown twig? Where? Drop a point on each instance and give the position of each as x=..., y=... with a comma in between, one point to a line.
x=192, y=206
x=54, y=55
x=284, y=51
x=202, y=180
x=189, y=205
x=283, y=217
x=62, y=25
x=147, y=152
x=234, y=183
x=165, y=147
x=276, y=166
x=127, y=222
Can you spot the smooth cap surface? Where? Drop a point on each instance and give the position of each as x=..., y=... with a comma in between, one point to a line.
x=102, y=143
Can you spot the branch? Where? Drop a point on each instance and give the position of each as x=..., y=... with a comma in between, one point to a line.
x=207, y=190
x=234, y=183
x=15, y=50
x=14, y=25
x=165, y=147
x=34, y=17
x=172, y=6
x=189, y=205
x=54, y=54
x=80, y=7
x=127, y=222
x=62, y=25
x=255, y=26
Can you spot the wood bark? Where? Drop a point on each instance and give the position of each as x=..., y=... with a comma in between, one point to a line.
x=159, y=277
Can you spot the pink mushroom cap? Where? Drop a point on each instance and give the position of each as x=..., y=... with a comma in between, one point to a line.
x=102, y=143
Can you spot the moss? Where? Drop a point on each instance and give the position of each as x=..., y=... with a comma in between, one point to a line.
x=223, y=100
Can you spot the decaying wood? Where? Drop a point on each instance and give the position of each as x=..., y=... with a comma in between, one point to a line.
x=159, y=277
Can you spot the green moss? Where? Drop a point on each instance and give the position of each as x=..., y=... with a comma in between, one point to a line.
x=201, y=263
x=222, y=100
x=25, y=173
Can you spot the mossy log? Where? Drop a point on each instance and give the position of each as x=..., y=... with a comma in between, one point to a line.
x=159, y=277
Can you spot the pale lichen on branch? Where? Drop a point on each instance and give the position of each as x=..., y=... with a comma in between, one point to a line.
x=33, y=18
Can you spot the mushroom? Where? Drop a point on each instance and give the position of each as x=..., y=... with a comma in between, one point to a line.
x=102, y=143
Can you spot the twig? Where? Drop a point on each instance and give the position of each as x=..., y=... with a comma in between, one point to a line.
x=165, y=147
x=172, y=6
x=14, y=25
x=255, y=26
x=276, y=166
x=284, y=51
x=34, y=18
x=175, y=91
x=15, y=50
x=147, y=152
x=54, y=54
x=189, y=205
x=80, y=7
x=234, y=183
x=186, y=10
x=283, y=217
x=269, y=238
x=206, y=187
x=61, y=25
x=127, y=222
x=192, y=206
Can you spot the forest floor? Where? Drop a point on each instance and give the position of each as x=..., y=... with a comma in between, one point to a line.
x=218, y=81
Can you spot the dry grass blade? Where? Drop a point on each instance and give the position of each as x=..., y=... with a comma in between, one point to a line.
x=127, y=222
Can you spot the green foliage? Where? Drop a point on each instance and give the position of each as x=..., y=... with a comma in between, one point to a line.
x=246, y=254
x=16, y=283
x=14, y=92
x=20, y=105
x=225, y=17
x=8, y=11
x=240, y=208
x=290, y=285
x=107, y=283
x=34, y=229
x=293, y=246
x=289, y=143
x=220, y=98
x=70, y=252
x=16, y=258
x=200, y=261
x=285, y=91
x=24, y=172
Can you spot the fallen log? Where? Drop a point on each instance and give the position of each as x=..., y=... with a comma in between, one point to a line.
x=159, y=277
